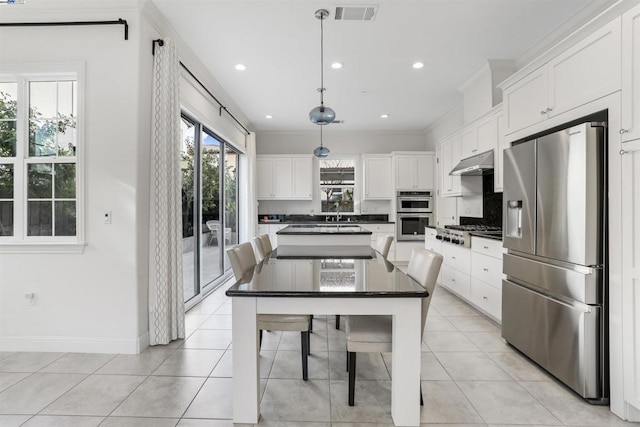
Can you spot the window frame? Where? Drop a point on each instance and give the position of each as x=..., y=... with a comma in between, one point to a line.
x=355, y=188
x=20, y=242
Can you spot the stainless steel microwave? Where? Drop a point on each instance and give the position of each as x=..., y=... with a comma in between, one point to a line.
x=414, y=201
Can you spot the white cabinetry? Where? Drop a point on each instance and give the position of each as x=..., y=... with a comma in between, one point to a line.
x=498, y=158
x=302, y=174
x=631, y=75
x=378, y=178
x=588, y=70
x=456, y=269
x=451, y=185
x=414, y=171
x=284, y=177
x=486, y=276
x=446, y=207
x=631, y=269
x=433, y=244
x=478, y=137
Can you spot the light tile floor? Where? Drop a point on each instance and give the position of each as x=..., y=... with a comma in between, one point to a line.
x=470, y=377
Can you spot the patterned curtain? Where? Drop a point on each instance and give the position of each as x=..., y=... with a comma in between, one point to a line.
x=166, y=303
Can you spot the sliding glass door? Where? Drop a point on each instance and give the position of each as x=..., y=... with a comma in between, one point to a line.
x=209, y=206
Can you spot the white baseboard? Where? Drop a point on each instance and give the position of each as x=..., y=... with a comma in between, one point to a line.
x=75, y=344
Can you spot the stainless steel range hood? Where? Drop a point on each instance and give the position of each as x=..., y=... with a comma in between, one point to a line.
x=476, y=165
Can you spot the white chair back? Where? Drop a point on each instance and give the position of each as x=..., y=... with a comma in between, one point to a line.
x=383, y=244
x=424, y=267
x=263, y=245
x=242, y=259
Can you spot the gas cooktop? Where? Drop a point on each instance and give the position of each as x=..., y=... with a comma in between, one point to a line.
x=459, y=234
x=473, y=227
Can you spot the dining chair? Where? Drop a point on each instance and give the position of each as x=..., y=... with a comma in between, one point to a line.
x=373, y=334
x=382, y=246
x=243, y=260
x=263, y=245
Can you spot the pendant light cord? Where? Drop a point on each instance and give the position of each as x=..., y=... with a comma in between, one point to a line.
x=321, y=60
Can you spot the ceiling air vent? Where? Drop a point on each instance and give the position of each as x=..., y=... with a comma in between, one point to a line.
x=355, y=13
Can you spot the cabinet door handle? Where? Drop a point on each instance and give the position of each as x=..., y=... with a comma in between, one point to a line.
x=486, y=269
x=542, y=113
x=453, y=257
x=485, y=298
x=449, y=189
x=549, y=110
x=473, y=151
x=623, y=131
x=486, y=247
x=453, y=280
x=623, y=152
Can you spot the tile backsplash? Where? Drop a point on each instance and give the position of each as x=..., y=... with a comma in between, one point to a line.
x=491, y=206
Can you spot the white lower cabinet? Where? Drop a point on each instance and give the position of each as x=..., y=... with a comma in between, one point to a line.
x=433, y=244
x=382, y=230
x=271, y=230
x=474, y=274
x=456, y=269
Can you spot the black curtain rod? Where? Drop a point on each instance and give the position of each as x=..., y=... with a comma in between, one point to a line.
x=160, y=42
x=63, y=24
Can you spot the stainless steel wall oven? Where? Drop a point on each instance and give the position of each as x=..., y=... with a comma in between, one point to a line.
x=414, y=213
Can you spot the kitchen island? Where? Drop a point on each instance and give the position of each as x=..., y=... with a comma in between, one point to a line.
x=324, y=235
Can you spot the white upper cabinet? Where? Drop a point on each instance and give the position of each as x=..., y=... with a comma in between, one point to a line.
x=450, y=158
x=478, y=137
x=487, y=134
x=630, y=126
x=587, y=71
x=414, y=172
x=284, y=177
x=526, y=101
x=378, y=179
x=498, y=158
x=302, y=178
x=468, y=142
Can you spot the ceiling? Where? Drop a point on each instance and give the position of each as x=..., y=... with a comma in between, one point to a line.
x=279, y=43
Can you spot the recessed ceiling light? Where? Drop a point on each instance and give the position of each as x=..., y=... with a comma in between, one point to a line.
x=269, y=116
x=384, y=116
x=240, y=67
x=336, y=65
x=417, y=65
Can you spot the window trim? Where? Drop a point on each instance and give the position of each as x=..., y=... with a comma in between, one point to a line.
x=20, y=242
x=356, y=183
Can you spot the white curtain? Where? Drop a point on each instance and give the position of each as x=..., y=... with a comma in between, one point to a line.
x=166, y=302
x=251, y=219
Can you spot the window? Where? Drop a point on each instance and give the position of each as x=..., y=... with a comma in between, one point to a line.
x=209, y=206
x=337, y=183
x=38, y=159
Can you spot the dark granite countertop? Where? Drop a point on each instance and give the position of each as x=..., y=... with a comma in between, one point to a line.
x=328, y=229
x=315, y=222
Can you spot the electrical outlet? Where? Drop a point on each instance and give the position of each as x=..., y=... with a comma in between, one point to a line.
x=30, y=297
x=107, y=217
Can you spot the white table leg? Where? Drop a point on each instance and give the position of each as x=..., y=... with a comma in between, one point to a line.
x=405, y=385
x=246, y=368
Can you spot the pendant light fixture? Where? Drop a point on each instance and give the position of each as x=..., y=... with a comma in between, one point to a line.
x=322, y=115
x=321, y=151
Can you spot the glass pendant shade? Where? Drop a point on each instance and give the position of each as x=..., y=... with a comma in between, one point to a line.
x=321, y=152
x=322, y=115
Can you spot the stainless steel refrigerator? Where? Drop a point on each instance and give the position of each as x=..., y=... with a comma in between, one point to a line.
x=553, y=299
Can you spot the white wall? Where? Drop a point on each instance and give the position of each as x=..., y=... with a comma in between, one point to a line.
x=90, y=301
x=444, y=126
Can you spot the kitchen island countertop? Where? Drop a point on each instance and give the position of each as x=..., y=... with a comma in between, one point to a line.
x=315, y=230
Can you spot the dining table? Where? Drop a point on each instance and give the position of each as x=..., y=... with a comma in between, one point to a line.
x=338, y=281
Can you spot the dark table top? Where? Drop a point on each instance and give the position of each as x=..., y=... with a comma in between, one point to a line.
x=327, y=277
x=320, y=252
